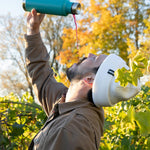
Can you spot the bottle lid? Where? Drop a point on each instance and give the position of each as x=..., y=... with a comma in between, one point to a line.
x=76, y=8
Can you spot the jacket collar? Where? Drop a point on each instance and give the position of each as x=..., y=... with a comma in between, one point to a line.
x=69, y=106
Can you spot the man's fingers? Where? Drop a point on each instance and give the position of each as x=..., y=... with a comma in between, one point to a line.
x=28, y=15
x=34, y=20
x=41, y=17
x=34, y=12
x=37, y=16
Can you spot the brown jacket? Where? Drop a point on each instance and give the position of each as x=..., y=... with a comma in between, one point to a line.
x=74, y=125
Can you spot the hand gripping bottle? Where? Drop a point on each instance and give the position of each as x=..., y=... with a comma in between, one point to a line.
x=54, y=7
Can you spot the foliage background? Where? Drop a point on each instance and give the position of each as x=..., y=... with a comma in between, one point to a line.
x=112, y=26
x=126, y=123
x=20, y=119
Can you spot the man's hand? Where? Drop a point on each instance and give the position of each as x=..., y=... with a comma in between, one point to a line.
x=34, y=20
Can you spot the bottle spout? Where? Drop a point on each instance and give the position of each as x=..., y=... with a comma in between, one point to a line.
x=76, y=8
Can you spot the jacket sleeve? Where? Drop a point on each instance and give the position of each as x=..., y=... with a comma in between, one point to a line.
x=46, y=88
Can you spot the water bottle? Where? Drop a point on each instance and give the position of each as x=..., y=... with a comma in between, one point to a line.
x=53, y=7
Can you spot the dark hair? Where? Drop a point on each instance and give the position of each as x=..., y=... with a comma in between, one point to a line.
x=73, y=74
x=70, y=74
x=90, y=97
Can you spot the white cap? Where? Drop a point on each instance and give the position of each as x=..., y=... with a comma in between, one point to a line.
x=107, y=92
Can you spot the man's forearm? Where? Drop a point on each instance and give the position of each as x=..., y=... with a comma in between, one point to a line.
x=37, y=62
x=47, y=89
x=31, y=31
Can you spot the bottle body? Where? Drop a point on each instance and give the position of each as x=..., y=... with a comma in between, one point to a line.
x=54, y=7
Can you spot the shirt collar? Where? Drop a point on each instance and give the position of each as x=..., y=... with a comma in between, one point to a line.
x=69, y=106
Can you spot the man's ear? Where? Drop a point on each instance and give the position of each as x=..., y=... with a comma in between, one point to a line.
x=89, y=79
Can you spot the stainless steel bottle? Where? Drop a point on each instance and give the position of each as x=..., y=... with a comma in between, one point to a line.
x=54, y=7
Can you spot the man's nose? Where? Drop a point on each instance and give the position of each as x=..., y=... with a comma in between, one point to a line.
x=90, y=55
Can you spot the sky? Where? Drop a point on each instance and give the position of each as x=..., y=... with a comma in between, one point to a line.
x=14, y=7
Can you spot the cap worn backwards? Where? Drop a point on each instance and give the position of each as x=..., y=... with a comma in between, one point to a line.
x=107, y=92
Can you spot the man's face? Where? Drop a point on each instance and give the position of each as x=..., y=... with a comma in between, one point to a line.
x=86, y=65
x=91, y=62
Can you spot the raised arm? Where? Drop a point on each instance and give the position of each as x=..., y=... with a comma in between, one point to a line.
x=47, y=89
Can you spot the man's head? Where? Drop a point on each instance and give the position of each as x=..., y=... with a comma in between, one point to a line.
x=93, y=78
x=87, y=65
x=81, y=76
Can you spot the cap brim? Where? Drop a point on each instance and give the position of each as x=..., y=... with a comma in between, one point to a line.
x=103, y=78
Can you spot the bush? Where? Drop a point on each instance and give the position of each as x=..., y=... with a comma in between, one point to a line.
x=20, y=120
x=127, y=124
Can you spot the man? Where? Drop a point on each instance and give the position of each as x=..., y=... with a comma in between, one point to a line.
x=74, y=122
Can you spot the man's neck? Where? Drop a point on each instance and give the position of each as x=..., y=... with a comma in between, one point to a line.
x=76, y=91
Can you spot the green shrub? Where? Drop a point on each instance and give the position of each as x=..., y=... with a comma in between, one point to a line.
x=127, y=124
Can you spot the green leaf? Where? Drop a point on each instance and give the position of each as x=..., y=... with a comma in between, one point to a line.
x=125, y=143
x=123, y=76
x=148, y=143
x=143, y=121
x=17, y=129
x=140, y=60
x=136, y=75
x=130, y=114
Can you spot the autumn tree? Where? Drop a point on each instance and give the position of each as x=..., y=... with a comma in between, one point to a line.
x=15, y=78
x=20, y=120
x=12, y=48
x=106, y=27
